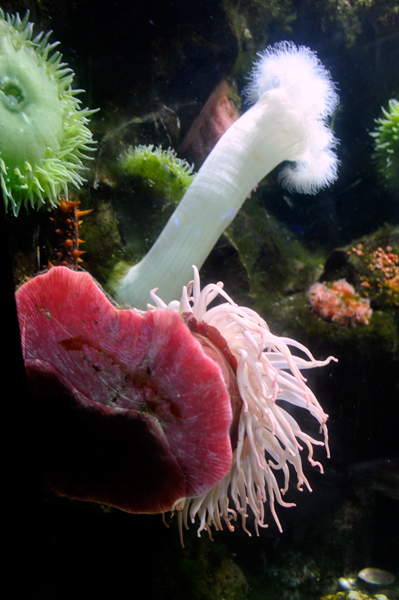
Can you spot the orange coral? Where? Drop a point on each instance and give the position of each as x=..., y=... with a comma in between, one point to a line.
x=380, y=274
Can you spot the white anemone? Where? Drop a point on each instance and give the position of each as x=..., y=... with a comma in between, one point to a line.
x=293, y=95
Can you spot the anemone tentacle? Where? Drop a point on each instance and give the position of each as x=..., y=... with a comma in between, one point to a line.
x=269, y=439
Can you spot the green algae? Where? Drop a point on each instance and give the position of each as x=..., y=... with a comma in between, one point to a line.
x=272, y=255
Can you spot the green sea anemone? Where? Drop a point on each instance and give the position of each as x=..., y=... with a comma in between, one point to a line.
x=386, y=137
x=43, y=132
x=164, y=172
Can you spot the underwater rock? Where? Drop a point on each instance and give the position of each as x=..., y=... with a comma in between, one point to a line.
x=380, y=475
x=371, y=265
x=219, y=112
x=347, y=583
x=149, y=183
x=376, y=577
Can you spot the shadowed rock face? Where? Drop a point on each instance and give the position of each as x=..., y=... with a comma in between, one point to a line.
x=130, y=410
x=216, y=116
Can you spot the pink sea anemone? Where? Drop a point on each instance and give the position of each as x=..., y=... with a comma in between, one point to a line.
x=339, y=302
x=269, y=438
x=179, y=407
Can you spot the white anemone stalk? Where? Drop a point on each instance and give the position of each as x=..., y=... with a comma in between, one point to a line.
x=269, y=438
x=293, y=97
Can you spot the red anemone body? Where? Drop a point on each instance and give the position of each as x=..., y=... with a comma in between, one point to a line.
x=130, y=410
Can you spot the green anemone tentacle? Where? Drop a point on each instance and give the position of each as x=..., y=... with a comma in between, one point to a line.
x=386, y=136
x=43, y=132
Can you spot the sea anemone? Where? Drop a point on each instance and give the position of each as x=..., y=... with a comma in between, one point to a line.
x=386, y=136
x=44, y=136
x=293, y=95
x=179, y=407
x=339, y=302
x=129, y=409
x=268, y=438
x=162, y=170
